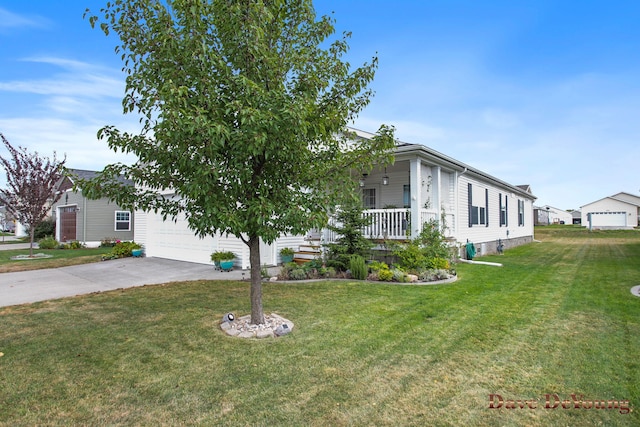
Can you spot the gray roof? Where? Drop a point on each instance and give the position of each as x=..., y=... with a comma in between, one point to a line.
x=87, y=174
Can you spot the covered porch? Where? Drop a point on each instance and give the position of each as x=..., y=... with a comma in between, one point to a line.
x=395, y=224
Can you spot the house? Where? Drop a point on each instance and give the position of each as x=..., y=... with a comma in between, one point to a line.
x=577, y=217
x=620, y=211
x=546, y=215
x=89, y=221
x=471, y=206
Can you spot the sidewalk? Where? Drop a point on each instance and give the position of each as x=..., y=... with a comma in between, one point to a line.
x=40, y=285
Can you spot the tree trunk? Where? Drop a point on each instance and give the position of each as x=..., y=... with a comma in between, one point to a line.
x=31, y=236
x=257, y=315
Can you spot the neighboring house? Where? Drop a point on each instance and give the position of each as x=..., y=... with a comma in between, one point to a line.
x=546, y=215
x=422, y=183
x=89, y=221
x=577, y=217
x=620, y=211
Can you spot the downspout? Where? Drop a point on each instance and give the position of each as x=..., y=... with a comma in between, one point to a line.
x=457, y=200
x=84, y=219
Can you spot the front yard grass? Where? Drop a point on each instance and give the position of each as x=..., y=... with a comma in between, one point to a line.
x=557, y=319
x=60, y=258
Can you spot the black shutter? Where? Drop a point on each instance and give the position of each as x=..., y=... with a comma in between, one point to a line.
x=506, y=212
x=486, y=210
x=470, y=205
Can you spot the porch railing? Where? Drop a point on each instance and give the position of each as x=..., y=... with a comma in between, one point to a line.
x=393, y=224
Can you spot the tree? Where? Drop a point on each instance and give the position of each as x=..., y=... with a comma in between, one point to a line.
x=31, y=182
x=349, y=223
x=243, y=108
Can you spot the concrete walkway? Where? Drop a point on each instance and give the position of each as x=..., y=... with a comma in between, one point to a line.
x=40, y=285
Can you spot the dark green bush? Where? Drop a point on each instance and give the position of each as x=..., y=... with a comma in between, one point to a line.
x=44, y=229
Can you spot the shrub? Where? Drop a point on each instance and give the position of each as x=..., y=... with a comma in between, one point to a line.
x=385, y=275
x=123, y=250
x=428, y=250
x=398, y=275
x=437, y=263
x=48, y=243
x=358, y=267
x=298, y=274
x=44, y=229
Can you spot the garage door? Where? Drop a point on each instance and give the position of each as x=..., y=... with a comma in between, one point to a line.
x=174, y=240
x=608, y=219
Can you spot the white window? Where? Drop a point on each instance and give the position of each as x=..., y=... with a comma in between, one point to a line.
x=520, y=212
x=123, y=221
x=478, y=214
x=504, y=217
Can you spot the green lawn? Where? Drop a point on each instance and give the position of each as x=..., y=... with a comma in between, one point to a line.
x=557, y=319
x=59, y=258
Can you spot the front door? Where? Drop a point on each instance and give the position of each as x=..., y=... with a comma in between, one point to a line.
x=68, y=223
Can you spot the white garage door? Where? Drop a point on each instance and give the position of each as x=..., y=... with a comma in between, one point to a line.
x=174, y=240
x=608, y=219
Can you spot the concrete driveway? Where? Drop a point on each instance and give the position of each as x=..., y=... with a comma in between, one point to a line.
x=40, y=285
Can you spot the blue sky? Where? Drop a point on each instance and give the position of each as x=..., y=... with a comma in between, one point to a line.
x=545, y=93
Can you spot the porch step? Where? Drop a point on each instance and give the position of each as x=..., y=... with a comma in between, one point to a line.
x=308, y=252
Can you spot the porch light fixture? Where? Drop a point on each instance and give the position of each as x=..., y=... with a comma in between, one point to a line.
x=361, y=181
x=385, y=178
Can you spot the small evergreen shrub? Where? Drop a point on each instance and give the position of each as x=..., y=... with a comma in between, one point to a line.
x=358, y=267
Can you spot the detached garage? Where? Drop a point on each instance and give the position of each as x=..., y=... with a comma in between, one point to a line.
x=620, y=211
x=608, y=219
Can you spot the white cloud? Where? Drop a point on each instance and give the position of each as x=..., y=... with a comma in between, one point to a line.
x=10, y=20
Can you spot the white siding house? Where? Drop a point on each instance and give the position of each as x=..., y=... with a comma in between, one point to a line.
x=620, y=211
x=547, y=215
x=422, y=183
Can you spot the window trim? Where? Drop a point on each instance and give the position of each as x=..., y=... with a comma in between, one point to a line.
x=117, y=221
x=478, y=215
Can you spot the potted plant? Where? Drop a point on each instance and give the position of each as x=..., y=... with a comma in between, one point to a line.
x=223, y=260
x=286, y=254
x=137, y=252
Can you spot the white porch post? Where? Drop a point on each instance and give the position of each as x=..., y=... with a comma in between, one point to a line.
x=436, y=189
x=415, y=182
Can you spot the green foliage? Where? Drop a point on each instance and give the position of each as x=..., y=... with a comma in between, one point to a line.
x=218, y=256
x=48, y=242
x=243, y=108
x=287, y=252
x=428, y=251
x=358, y=267
x=298, y=274
x=385, y=275
x=75, y=244
x=44, y=228
x=398, y=275
x=313, y=269
x=349, y=223
x=380, y=271
x=122, y=250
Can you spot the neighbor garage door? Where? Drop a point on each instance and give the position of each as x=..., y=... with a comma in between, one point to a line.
x=608, y=219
